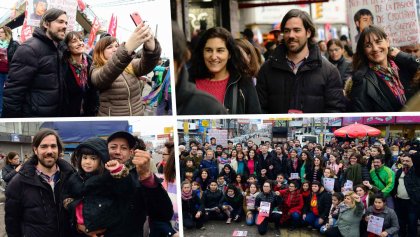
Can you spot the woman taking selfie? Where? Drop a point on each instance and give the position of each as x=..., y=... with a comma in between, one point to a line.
x=116, y=70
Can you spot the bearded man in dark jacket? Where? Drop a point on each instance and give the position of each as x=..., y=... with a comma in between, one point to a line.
x=296, y=78
x=35, y=87
x=33, y=205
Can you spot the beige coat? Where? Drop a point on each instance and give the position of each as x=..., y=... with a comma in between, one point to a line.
x=119, y=91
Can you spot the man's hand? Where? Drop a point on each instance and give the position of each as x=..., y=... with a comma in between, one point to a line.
x=142, y=162
x=382, y=141
x=112, y=165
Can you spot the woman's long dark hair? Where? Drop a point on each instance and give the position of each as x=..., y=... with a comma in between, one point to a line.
x=235, y=64
x=359, y=58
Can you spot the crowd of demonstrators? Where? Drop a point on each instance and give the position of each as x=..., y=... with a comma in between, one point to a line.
x=108, y=189
x=51, y=74
x=301, y=74
x=334, y=188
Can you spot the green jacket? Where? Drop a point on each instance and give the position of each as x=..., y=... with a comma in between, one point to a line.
x=387, y=176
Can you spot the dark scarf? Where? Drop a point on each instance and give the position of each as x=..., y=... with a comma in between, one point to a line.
x=186, y=196
x=80, y=72
x=391, y=78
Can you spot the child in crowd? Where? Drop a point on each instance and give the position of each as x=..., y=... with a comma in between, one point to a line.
x=336, y=199
x=221, y=183
x=281, y=184
x=223, y=160
x=92, y=194
x=196, y=189
x=232, y=204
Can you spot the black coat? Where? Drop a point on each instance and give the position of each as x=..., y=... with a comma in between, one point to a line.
x=8, y=172
x=32, y=208
x=344, y=68
x=265, y=164
x=316, y=88
x=101, y=194
x=11, y=49
x=324, y=201
x=367, y=93
x=153, y=202
x=78, y=99
x=211, y=199
x=35, y=87
x=247, y=98
x=281, y=165
x=191, y=101
x=411, y=181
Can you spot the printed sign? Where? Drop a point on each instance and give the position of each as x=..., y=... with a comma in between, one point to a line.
x=375, y=224
x=294, y=176
x=328, y=184
x=265, y=209
x=240, y=233
x=399, y=19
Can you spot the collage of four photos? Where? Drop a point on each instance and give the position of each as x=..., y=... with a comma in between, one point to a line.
x=201, y=118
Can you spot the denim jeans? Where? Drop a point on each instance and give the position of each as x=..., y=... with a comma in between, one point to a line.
x=250, y=221
x=312, y=220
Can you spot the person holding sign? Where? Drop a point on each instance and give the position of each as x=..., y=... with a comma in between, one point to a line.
x=330, y=181
x=116, y=70
x=267, y=203
x=386, y=224
x=382, y=74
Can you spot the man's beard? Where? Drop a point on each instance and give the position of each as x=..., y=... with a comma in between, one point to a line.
x=298, y=50
x=54, y=36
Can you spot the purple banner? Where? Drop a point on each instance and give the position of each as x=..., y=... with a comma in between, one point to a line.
x=379, y=120
x=351, y=120
x=407, y=119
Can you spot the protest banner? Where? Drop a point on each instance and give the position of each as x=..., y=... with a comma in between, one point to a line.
x=93, y=30
x=112, y=28
x=399, y=19
x=221, y=136
x=36, y=8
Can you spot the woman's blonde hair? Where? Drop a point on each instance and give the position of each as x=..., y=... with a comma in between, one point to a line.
x=350, y=194
x=7, y=32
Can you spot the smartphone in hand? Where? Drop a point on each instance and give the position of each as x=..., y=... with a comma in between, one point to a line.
x=135, y=16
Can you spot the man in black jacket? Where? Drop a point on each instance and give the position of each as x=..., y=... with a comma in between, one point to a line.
x=407, y=194
x=296, y=78
x=150, y=198
x=34, y=196
x=35, y=84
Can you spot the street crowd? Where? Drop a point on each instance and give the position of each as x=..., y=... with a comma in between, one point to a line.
x=108, y=189
x=295, y=73
x=53, y=74
x=336, y=189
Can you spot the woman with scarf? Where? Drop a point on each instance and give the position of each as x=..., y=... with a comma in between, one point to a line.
x=379, y=209
x=249, y=204
x=116, y=70
x=7, y=49
x=191, y=215
x=382, y=80
x=268, y=197
x=292, y=205
x=82, y=99
x=350, y=214
x=232, y=204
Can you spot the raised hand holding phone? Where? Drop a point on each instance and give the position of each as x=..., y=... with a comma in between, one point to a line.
x=142, y=35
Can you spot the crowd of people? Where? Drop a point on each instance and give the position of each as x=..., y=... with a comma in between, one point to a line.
x=336, y=188
x=53, y=74
x=295, y=73
x=108, y=188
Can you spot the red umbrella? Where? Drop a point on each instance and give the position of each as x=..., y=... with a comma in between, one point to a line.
x=357, y=130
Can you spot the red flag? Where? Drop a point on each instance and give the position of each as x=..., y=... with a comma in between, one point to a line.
x=93, y=30
x=82, y=5
x=112, y=29
x=26, y=32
